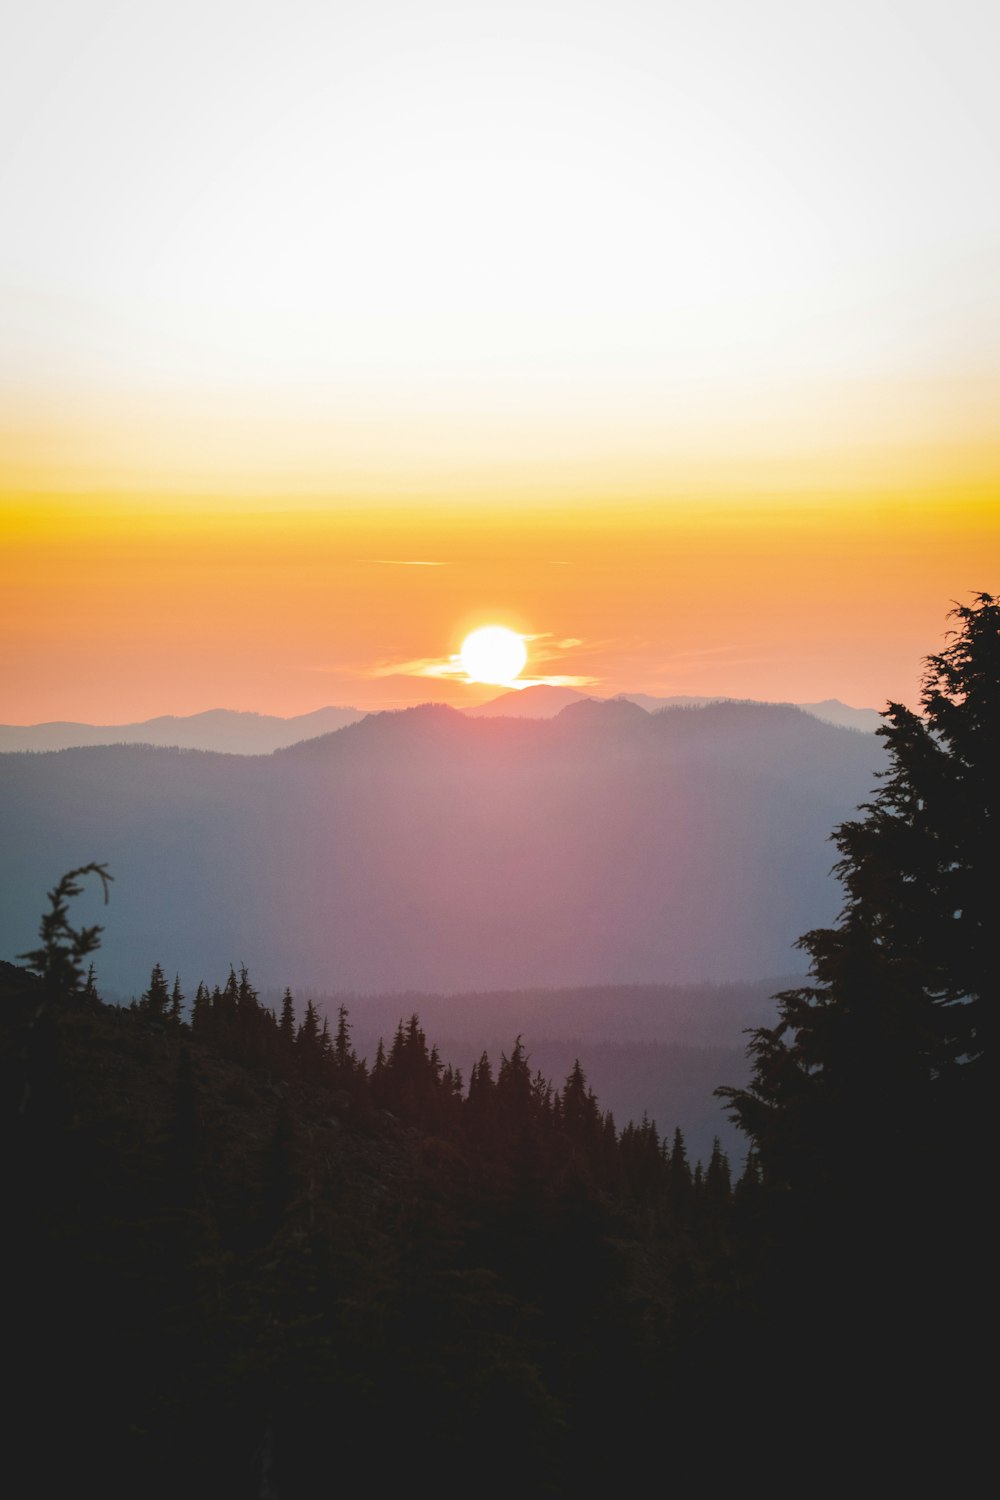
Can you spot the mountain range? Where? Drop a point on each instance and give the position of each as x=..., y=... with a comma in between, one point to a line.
x=430, y=850
x=226, y=730
x=235, y=732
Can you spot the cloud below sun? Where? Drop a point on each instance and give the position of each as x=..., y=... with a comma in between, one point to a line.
x=457, y=667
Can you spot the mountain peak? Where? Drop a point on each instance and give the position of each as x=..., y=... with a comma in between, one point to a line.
x=603, y=711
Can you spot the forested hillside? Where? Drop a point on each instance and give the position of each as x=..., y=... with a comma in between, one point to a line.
x=255, y=1255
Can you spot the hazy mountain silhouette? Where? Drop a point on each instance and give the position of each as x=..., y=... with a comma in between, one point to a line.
x=543, y=702
x=232, y=732
x=835, y=712
x=222, y=729
x=425, y=849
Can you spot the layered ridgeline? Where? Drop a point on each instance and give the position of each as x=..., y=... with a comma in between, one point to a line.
x=233, y=732
x=226, y=730
x=426, y=850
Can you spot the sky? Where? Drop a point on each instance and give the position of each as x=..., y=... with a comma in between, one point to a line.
x=668, y=336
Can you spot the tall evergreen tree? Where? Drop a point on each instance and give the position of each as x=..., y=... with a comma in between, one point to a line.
x=176, y=1002
x=890, y=1043
x=867, y=1105
x=201, y=1010
x=156, y=1000
x=286, y=1026
x=343, y=1053
x=308, y=1037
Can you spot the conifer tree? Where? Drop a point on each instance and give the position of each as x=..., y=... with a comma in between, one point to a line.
x=479, y=1105
x=176, y=1002
x=156, y=1000
x=307, y=1039
x=889, y=1043
x=680, y=1170
x=286, y=1026
x=343, y=1054
x=201, y=1010
x=580, y=1114
x=718, y=1185
x=59, y=958
x=514, y=1086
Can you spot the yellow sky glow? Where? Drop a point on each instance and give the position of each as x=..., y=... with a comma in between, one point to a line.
x=667, y=336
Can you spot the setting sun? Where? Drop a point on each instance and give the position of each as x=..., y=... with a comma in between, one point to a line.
x=493, y=654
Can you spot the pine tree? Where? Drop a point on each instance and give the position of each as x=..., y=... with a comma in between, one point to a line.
x=889, y=1044
x=286, y=1026
x=679, y=1174
x=867, y=1105
x=58, y=960
x=176, y=1002
x=307, y=1040
x=718, y=1183
x=156, y=1000
x=480, y=1104
x=201, y=1010
x=580, y=1114
x=514, y=1096
x=343, y=1053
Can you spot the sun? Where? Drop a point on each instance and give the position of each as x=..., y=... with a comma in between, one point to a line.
x=493, y=654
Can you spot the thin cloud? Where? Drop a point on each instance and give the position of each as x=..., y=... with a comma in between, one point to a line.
x=451, y=668
x=409, y=562
x=423, y=666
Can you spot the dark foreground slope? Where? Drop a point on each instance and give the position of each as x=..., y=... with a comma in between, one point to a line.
x=233, y=1273
x=427, y=850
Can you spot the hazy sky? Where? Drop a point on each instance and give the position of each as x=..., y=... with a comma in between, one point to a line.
x=669, y=330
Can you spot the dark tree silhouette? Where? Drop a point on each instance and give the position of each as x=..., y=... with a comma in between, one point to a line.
x=156, y=1000
x=59, y=959
x=286, y=1026
x=867, y=1104
x=890, y=1043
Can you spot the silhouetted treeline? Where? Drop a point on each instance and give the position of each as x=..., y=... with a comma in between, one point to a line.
x=508, y=1120
x=272, y=1243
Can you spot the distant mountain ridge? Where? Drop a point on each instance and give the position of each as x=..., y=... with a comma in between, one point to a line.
x=540, y=701
x=234, y=732
x=225, y=730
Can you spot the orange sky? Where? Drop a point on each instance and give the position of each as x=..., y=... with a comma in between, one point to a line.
x=112, y=611
x=666, y=335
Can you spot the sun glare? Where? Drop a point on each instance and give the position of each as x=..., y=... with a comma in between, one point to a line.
x=493, y=654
